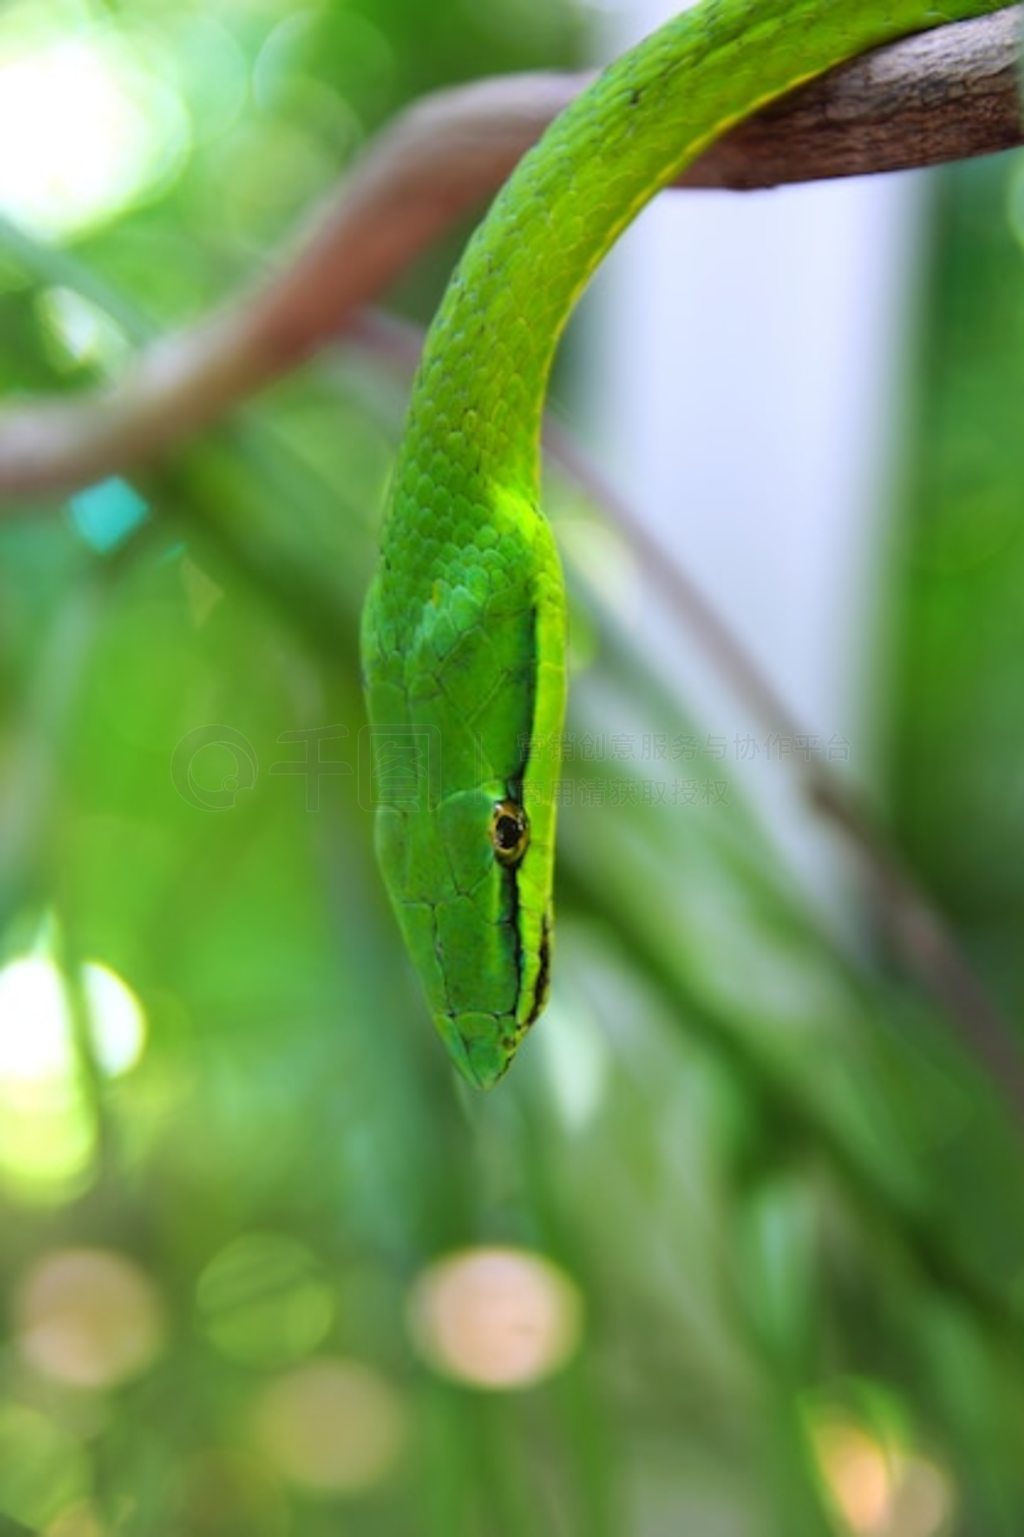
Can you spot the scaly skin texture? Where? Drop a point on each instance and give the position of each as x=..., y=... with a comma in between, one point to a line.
x=464, y=628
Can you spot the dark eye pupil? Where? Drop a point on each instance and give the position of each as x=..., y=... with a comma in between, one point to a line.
x=508, y=830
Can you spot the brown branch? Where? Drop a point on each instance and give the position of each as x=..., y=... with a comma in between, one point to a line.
x=939, y=96
x=945, y=95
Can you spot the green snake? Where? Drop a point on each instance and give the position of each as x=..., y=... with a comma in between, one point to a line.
x=464, y=629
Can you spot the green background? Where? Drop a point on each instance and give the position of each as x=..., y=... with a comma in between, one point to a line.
x=763, y=1195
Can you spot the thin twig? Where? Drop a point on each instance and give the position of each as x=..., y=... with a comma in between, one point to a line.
x=945, y=95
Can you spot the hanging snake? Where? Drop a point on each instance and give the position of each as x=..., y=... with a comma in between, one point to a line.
x=464, y=628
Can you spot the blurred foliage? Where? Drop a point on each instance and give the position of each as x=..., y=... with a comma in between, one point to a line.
x=736, y=1247
x=958, y=792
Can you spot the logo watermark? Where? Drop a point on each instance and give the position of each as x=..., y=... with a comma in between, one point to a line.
x=214, y=766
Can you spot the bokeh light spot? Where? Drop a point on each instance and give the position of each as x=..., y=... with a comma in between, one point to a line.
x=34, y=1021
x=924, y=1500
x=77, y=1520
x=495, y=1317
x=857, y=1474
x=264, y=1300
x=116, y=1020
x=877, y=1490
x=119, y=132
x=47, y=1123
x=42, y=1469
x=334, y=1426
x=212, y=73
x=89, y=1318
x=36, y=1041
x=81, y=332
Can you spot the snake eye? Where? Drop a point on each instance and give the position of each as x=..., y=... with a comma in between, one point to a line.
x=510, y=832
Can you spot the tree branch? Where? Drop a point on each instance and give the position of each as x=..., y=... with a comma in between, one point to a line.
x=939, y=96
x=945, y=95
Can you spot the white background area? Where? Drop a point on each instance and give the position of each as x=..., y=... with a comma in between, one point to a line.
x=747, y=370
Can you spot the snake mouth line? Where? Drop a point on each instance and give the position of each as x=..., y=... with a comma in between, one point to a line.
x=540, y=991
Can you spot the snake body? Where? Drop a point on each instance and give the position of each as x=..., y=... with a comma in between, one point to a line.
x=464, y=629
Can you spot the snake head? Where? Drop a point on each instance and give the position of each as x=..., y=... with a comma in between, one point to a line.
x=467, y=726
x=470, y=876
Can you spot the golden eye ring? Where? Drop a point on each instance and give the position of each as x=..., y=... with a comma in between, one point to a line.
x=510, y=832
